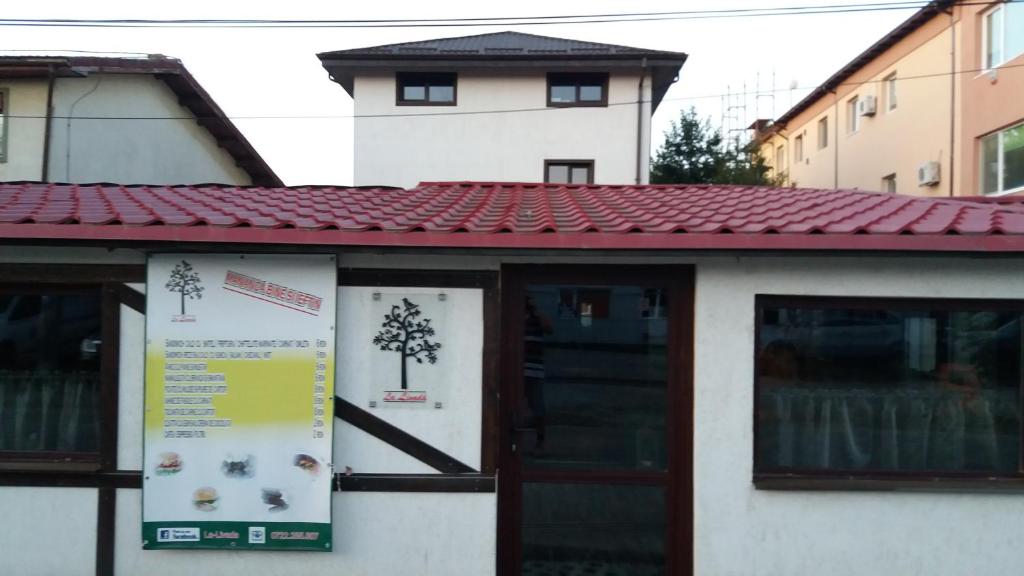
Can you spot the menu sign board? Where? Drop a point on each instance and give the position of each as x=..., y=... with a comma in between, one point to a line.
x=239, y=401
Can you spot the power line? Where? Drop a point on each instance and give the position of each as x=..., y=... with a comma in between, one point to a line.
x=480, y=21
x=500, y=111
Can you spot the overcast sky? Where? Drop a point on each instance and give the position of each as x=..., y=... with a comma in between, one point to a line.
x=275, y=72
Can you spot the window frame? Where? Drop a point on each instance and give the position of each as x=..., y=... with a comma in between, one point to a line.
x=844, y=479
x=428, y=79
x=886, y=180
x=823, y=128
x=108, y=283
x=852, y=117
x=798, y=148
x=986, y=34
x=890, y=92
x=589, y=164
x=577, y=79
x=5, y=120
x=998, y=135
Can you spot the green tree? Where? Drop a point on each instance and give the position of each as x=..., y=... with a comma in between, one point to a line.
x=694, y=153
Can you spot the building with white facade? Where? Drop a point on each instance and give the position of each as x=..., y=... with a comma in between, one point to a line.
x=505, y=106
x=140, y=120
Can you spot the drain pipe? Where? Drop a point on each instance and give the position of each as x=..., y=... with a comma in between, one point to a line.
x=640, y=119
x=45, y=176
x=952, y=97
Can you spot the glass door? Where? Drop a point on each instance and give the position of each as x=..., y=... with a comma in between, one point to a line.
x=592, y=413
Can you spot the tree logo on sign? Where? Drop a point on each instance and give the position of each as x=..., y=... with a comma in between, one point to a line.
x=403, y=332
x=186, y=281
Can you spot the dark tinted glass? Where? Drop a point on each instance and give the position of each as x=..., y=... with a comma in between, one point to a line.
x=49, y=371
x=593, y=529
x=889, y=389
x=563, y=93
x=594, y=378
x=442, y=93
x=591, y=92
x=412, y=92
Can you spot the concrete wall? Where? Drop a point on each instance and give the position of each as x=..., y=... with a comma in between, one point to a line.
x=892, y=141
x=993, y=100
x=25, y=125
x=94, y=148
x=132, y=151
x=743, y=531
x=410, y=144
x=738, y=530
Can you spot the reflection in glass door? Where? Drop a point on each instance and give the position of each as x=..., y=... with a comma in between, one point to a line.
x=591, y=423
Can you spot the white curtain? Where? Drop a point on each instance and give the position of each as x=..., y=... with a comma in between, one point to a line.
x=48, y=410
x=888, y=429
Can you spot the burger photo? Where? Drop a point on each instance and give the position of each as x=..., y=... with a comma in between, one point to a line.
x=205, y=499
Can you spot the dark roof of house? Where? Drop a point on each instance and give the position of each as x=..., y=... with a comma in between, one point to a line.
x=171, y=72
x=471, y=215
x=503, y=50
x=920, y=18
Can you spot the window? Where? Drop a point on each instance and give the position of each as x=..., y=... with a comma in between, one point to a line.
x=852, y=118
x=1003, y=33
x=433, y=89
x=823, y=133
x=896, y=387
x=889, y=184
x=889, y=82
x=569, y=171
x=1002, y=161
x=50, y=345
x=780, y=160
x=577, y=89
x=798, y=148
x=4, y=105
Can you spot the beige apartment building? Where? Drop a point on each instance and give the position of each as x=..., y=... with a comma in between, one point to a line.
x=934, y=108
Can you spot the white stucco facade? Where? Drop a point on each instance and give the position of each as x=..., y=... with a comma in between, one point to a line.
x=738, y=529
x=476, y=140
x=124, y=128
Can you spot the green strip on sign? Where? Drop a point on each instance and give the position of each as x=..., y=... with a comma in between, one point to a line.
x=236, y=536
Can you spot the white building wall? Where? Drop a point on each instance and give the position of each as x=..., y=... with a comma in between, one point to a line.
x=154, y=150
x=740, y=531
x=25, y=127
x=404, y=145
x=48, y=531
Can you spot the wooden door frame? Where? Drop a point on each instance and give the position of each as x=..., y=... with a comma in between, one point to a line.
x=678, y=281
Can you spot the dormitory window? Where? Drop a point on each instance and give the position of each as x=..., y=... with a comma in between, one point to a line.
x=823, y=133
x=577, y=89
x=1002, y=161
x=852, y=118
x=4, y=103
x=50, y=348
x=909, y=387
x=1003, y=36
x=569, y=171
x=431, y=89
x=890, y=91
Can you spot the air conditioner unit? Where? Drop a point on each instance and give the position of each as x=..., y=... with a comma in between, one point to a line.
x=928, y=174
x=866, y=105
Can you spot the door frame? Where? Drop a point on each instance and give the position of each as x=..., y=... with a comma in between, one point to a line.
x=678, y=281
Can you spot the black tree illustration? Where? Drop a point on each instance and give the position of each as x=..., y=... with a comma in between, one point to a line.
x=405, y=333
x=185, y=280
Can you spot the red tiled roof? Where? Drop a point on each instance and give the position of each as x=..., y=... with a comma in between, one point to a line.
x=504, y=215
